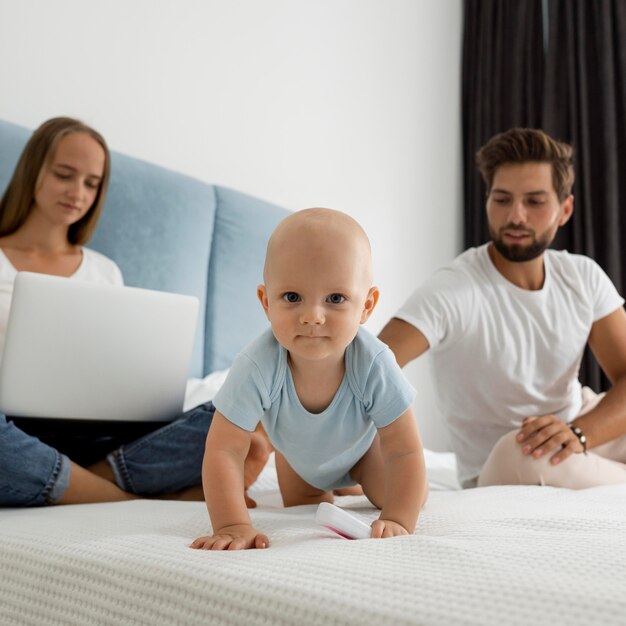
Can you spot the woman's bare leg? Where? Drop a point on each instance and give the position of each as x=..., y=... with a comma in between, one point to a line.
x=85, y=486
x=260, y=449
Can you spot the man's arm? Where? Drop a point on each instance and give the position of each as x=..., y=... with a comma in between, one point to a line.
x=545, y=434
x=607, y=341
x=405, y=341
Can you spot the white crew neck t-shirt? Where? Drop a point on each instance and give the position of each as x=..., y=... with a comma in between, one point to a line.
x=94, y=267
x=500, y=353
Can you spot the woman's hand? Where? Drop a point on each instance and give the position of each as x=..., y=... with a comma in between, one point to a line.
x=237, y=537
x=383, y=528
x=540, y=435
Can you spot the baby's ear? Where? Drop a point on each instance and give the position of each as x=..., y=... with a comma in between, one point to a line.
x=370, y=303
x=261, y=293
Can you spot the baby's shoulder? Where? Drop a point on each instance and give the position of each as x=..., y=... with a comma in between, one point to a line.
x=365, y=347
x=263, y=358
x=263, y=349
x=376, y=379
x=366, y=356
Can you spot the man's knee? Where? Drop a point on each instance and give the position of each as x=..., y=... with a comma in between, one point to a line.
x=507, y=465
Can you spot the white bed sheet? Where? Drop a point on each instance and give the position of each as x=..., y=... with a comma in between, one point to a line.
x=499, y=555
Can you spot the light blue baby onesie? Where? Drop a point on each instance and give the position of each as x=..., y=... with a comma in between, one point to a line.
x=321, y=447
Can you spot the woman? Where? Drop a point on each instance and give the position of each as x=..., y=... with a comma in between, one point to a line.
x=48, y=212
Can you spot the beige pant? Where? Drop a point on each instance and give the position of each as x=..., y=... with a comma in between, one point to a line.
x=604, y=465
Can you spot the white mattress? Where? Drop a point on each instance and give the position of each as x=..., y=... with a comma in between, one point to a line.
x=499, y=555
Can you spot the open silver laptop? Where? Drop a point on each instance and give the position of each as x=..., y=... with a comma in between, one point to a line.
x=79, y=350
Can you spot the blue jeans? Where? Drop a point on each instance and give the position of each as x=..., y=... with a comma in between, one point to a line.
x=33, y=473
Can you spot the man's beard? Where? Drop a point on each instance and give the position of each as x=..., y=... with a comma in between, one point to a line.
x=517, y=253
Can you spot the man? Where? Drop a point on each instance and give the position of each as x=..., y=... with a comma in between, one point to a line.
x=507, y=324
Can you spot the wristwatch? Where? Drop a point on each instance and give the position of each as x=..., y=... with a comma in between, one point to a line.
x=581, y=436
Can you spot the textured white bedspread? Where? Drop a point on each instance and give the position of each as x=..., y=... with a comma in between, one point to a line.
x=499, y=555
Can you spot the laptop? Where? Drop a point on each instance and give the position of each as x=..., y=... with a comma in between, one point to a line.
x=83, y=351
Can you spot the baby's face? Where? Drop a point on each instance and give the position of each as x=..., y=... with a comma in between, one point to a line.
x=317, y=292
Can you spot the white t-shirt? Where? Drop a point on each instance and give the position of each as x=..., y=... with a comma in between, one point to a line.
x=94, y=267
x=501, y=353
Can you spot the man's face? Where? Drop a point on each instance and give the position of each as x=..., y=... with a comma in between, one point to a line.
x=524, y=211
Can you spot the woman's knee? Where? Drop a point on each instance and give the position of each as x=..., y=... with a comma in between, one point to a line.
x=35, y=485
x=31, y=472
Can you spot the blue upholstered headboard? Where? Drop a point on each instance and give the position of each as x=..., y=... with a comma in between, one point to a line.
x=174, y=233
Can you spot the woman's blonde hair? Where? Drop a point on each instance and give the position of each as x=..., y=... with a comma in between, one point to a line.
x=17, y=201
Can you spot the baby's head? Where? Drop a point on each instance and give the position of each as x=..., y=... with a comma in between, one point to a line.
x=317, y=282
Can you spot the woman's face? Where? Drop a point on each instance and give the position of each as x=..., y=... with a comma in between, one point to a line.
x=70, y=182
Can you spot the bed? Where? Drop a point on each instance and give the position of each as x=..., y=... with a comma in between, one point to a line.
x=499, y=555
x=496, y=555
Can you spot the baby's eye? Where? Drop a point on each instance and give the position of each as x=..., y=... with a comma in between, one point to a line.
x=335, y=298
x=291, y=296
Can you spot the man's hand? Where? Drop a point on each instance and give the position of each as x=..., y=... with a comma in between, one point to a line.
x=383, y=528
x=540, y=435
x=237, y=537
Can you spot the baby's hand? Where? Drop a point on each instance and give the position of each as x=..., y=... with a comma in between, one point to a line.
x=237, y=537
x=383, y=528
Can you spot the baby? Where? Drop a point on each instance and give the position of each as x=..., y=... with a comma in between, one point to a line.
x=331, y=397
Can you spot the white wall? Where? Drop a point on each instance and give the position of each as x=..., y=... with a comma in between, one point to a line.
x=351, y=104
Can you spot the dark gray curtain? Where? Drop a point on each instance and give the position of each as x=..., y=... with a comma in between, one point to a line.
x=581, y=100
x=585, y=105
x=503, y=64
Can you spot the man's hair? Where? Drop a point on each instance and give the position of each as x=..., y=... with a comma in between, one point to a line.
x=17, y=201
x=524, y=145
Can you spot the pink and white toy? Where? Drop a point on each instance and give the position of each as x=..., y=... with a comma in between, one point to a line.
x=341, y=522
